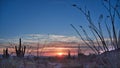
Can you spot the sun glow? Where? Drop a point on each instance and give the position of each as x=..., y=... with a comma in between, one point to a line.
x=60, y=54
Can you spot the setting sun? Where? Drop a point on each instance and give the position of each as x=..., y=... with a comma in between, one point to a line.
x=60, y=53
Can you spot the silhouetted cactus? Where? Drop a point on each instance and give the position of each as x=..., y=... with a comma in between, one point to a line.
x=5, y=53
x=20, y=50
x=69, y=55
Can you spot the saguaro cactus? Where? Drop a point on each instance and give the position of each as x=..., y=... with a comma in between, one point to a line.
x=5, y=53
x=69, y=55
x=20, y=50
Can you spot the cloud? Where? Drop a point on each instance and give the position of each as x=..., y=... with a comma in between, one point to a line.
x=62, y=40
x=33, y=39
x=59, y=41
x=49, y=41
x=50, y=38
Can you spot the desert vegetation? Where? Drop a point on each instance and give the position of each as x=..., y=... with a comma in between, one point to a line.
x=108, y=58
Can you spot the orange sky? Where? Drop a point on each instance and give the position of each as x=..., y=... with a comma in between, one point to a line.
x=53, y=47
x=50, y=51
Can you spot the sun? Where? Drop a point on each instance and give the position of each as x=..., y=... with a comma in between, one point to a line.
x=60, y=54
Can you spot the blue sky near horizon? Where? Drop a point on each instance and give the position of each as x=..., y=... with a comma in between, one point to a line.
x=19, y=17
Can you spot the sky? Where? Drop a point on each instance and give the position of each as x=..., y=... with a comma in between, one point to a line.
x=22, y=18
x=18, y=17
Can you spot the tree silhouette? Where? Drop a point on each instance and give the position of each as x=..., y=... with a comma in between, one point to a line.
x=107, y=58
